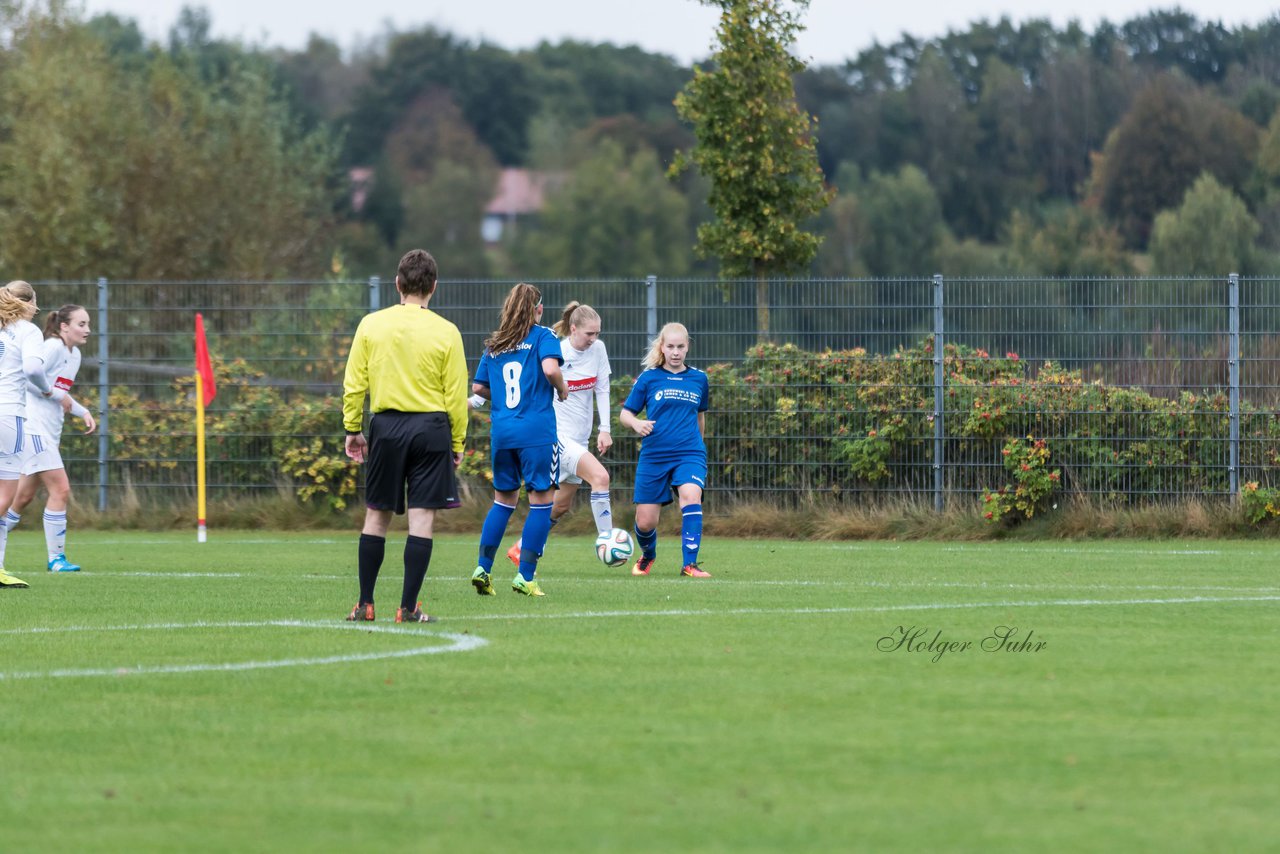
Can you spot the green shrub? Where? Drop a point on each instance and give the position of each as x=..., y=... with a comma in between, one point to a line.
x=784, y=422
x=1034, y=483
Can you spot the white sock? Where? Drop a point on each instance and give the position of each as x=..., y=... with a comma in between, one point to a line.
x=55, y=532
x=11, y=520
x=601, y=509
x=4, y=543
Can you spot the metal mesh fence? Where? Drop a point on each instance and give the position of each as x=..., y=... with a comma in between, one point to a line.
x=1144, y=388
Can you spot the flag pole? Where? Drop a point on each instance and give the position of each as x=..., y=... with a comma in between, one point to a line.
x=201, y=532
x=206, y=391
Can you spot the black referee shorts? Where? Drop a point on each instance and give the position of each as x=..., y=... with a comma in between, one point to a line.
x=413, y=451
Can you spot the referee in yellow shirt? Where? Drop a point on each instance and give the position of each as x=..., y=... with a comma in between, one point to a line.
x=409, y=361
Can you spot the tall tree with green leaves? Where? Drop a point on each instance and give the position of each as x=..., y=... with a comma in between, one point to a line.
x=614, y=215
x=755, y=146
x=1171, y=134
x=1212, y=233
x=150, y=172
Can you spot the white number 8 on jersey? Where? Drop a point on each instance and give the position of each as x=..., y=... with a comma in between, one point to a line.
x=511, y=381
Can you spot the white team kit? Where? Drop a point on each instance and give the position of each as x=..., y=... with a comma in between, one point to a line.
x=586, y=372
x=45, y=414
x=19, y=343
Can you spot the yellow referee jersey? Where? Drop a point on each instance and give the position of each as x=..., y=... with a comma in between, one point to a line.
x=409, y=359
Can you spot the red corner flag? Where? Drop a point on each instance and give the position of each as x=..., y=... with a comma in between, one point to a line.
x=204, y=367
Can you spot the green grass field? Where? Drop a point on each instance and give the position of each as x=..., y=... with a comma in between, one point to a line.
x=186, y=697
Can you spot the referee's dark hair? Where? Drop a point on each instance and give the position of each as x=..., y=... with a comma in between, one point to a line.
x=417, y=273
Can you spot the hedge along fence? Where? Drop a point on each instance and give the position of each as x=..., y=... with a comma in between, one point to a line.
x=866, y=423
x=785, y=424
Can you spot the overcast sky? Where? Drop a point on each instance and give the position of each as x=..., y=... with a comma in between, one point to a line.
x=836, y=29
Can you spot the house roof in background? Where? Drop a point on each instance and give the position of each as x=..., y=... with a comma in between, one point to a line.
x=519, y=191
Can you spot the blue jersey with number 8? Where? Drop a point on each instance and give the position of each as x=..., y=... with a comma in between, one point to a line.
x=520, y=394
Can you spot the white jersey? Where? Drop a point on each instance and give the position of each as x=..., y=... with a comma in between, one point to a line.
x=19, y=341
x=44, y=414
x=585, y=372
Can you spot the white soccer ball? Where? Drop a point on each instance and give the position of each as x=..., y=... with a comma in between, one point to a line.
x=615, y=547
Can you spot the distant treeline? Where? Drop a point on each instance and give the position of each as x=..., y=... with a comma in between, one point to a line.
x=1150, y=145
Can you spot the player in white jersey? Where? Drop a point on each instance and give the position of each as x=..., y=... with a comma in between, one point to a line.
x=65, y=330
x=586, y=370
x=21, y=360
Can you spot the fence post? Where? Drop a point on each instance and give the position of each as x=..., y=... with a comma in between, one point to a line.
x=375, y=293
x=651, y=303
x=1233, y=382
x=939, y=399
x=104, y=390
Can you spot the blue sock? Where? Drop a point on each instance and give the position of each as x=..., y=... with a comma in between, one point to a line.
x=648, y=541
x=495, y=525
x=691, y=532
x=534, y=538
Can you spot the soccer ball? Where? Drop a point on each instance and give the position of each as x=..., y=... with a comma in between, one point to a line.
x=614, y=548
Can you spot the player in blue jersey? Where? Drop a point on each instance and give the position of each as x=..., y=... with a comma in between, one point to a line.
x=673, y=455
x=520, y=375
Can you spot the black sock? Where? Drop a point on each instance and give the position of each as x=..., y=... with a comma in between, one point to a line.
x=417, y=557
x=370, y=556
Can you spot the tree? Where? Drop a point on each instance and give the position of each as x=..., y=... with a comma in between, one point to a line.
x=946, y=140
x=582, y=82
x=1210, y=234
x=1169, y=136
x=615, y=216
x=1004, y=177
x=152, y=174
x=844, y=229
x=1078, y=99
x=321, y=83
x=755, y=146
x=444, y=213
x=904, y=225
x=1176, y=39
x=1266, y=184
x=1069, y=241
x=431, y=128
x=491, y=87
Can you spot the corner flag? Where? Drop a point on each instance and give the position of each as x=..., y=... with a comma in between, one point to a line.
x=204, y=367
x=205, y=392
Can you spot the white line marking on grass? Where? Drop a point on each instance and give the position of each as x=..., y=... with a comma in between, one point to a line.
x=167, y=574
x=878, y=585
x=218, y=540
x=757, y=582
x=458, y=643
x=869, y=609
x=987, y=585
x=1073, y=551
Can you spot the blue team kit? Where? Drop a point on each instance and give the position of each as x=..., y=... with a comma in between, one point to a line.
x=674, y=453
x=524, y=420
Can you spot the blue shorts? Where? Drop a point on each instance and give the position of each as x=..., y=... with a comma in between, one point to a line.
x=656, y=482
x=538, y=468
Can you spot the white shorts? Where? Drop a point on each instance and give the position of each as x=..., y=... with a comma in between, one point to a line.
x=11, y=435
x=570, y=453
x=40, y=453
